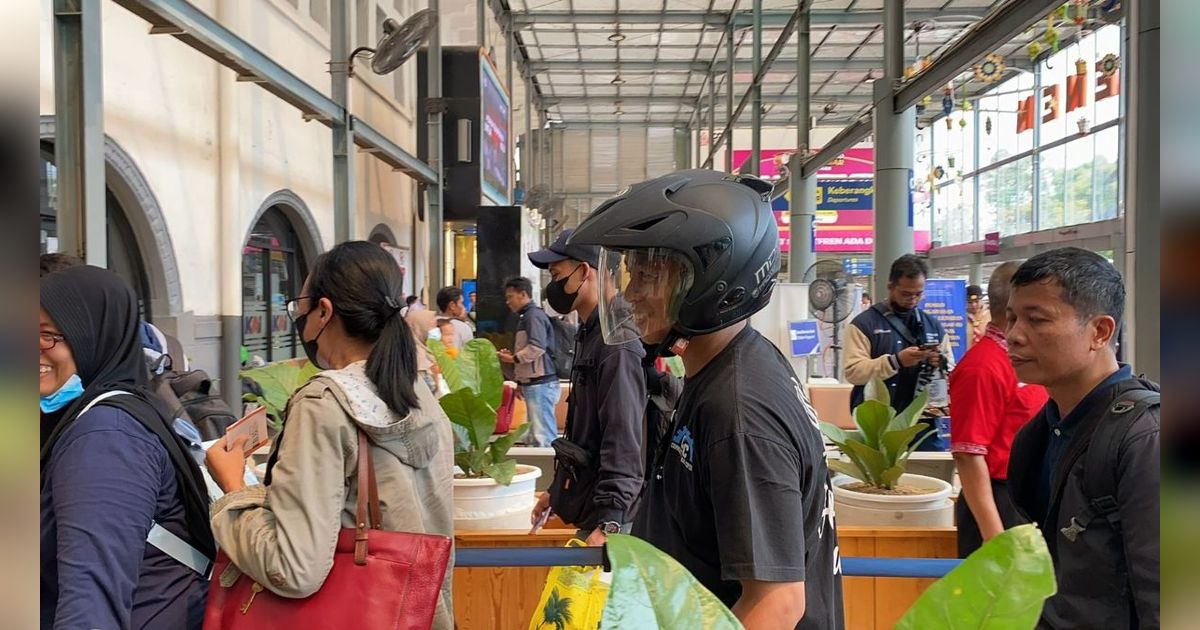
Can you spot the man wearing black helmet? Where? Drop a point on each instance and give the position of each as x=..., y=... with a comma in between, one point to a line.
x=739, y=493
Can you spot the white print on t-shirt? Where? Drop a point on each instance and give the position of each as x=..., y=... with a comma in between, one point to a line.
x=828, y=517
x=808, y=408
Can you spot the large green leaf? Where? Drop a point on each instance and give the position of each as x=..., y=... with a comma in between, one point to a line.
x=651, y=591
x=911, y=413
x=847, y=468
x=449, y=367
x=278, y=382
x=1001, y=586
x=834, y=433
x=479, y=368
x=872, y=418
x=895, y=443
x=890, y=476
x=468, y=410
x=877, y=390
x=501, y=472
x=498, y=449
x=868, y=459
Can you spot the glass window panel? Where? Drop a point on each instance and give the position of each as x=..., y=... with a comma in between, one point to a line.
x=1107, y=174
x=1052, y=196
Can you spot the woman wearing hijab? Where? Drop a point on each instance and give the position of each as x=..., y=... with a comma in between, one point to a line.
x=422, y=322
x=282, y=534
x=116, y=481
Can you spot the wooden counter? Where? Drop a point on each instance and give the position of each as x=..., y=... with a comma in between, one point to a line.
x=504, y=599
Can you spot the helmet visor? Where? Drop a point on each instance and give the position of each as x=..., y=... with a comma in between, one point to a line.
x=641, y=292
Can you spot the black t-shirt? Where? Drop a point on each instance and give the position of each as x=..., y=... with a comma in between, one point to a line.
x=742, y=491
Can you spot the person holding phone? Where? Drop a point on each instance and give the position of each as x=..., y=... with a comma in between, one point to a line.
x=896, y=341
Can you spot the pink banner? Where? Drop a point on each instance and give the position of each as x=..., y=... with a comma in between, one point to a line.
x=771, y=162
x=853, y=162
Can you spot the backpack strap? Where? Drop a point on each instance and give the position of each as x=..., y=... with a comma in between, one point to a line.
x=1100, y=462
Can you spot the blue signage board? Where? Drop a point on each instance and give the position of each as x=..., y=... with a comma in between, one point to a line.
x=805, y=338
x=845, y=194
x=859, y=265
x=946, y=301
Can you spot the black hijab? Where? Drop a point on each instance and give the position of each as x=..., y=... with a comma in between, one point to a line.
x=97, y=314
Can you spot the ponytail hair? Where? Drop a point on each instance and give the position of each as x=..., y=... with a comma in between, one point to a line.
x=363, y=283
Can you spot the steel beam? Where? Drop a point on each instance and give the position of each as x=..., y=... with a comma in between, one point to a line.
x=730, y=66
x=433, y=123
x=634, y=121
x=524, y=20
x=79, y=133
x=755, y=94
x=650, y=66
x=343, y=130
x=1142, y=190
x=894, y=131
x=986, y=35
x=853, y=134
x=803, y=203
x=784, y=36
x=196, y=29
x=689, y=101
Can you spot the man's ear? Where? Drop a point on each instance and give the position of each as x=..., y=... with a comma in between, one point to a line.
x=1104, y=331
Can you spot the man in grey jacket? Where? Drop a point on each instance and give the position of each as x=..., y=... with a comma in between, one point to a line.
x=1086, y=468
x=608, y=399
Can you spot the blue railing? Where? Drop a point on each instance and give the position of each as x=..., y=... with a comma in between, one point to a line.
x=594, y=556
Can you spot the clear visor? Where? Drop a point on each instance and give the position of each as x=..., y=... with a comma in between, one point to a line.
x=641, y=291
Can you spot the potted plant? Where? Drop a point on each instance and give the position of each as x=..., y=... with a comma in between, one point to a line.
x=276, y=382
x=491, y=490
x=873, y=488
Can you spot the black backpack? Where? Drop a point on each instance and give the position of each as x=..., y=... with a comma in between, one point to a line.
x=1100, y=463
x=564, y=346
x=192, y=396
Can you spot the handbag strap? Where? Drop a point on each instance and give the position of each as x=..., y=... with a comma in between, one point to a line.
x=368, y=514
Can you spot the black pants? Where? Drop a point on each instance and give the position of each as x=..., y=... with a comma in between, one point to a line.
x=969, y=536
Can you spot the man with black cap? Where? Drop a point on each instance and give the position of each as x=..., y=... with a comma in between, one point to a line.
x=978, y=315
x=598, y=464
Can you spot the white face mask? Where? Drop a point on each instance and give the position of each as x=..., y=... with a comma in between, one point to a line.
x=435, y=334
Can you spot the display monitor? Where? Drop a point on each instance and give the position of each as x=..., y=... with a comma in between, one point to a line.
x=493, y=142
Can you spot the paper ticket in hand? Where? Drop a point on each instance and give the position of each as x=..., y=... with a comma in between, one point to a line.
x=253, y=427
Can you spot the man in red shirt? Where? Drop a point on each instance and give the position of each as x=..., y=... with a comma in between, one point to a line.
x=988, y=405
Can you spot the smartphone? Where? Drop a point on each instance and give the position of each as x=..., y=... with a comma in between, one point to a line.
x=930, y=347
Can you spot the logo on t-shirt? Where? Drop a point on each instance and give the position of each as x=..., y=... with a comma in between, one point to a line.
x=683, y=444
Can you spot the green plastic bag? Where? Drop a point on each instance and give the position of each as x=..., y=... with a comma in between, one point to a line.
x=651, y=590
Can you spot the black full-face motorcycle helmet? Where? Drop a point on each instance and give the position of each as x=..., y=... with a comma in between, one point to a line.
x=684, y=254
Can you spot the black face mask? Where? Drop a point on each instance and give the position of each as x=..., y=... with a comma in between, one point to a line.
x=557, y=296
x=310, y=346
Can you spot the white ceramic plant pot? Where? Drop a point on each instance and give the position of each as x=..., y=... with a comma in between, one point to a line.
x=483, y=504
x=931, y=509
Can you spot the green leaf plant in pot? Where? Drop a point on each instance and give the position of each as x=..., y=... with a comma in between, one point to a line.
x=476, y=388
x=876, y=489
x=277, y=382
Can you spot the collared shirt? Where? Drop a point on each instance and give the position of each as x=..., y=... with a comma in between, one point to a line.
x=533, y=347
x=988, y=405
x=1061, y=430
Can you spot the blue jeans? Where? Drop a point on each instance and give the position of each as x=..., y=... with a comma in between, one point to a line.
x=540, y=400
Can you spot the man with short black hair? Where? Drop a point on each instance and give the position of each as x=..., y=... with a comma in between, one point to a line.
x=533, y=363
x=450, y=307
x=895, y=341
x=1086, y=468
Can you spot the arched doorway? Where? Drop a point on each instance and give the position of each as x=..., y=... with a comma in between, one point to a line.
x=275, y=261
x=139, y=247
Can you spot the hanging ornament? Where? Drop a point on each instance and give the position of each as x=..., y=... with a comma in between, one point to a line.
x=992, y=66
x=925, y=61
x=949, y=124
x=950, y=159
x=947, y=100
x=1052, y=35
x=1083, y=124
x=1080, y=11
x=939, y=172
x=965, y=104
x=1081, y=67
x=962, y=122
x=987, y=125
x=1108, y=65
x=1034, y=49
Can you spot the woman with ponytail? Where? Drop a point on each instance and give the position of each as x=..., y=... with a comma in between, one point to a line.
x=282, y=533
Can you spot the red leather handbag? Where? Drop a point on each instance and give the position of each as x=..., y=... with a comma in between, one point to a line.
x=394, y=582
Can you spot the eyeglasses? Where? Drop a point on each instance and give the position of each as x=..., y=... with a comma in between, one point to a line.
x=46, y=340
x=293, y=307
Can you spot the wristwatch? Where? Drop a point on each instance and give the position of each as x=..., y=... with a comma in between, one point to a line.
x=609, y=527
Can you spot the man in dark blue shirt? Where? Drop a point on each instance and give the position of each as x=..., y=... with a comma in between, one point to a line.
x=1086, y=468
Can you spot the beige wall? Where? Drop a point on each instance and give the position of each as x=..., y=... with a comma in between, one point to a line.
x=213, y=149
